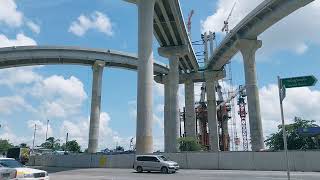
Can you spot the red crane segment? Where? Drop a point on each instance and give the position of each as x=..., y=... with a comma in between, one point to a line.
x=190, y=22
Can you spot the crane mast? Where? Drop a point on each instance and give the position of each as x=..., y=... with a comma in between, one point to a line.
x=189, y=25
x=226, y=22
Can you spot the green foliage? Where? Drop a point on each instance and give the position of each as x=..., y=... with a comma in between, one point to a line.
x=25, y=154
x=188, y=144
x=295, y=140
x=23, y=145
x=119, y=148
x=51, y=143
x=5, y=145
x=72, y=146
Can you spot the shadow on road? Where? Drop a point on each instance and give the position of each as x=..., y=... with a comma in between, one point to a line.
x=54, y=169
x=151, y=172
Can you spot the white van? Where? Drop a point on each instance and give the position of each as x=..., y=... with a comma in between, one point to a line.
x=155, y=163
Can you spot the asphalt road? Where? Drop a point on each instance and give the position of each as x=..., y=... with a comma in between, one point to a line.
x=128, y=174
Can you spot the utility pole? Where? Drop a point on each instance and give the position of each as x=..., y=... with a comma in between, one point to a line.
x=47, y=129
x=65, y=150
x=34, y=136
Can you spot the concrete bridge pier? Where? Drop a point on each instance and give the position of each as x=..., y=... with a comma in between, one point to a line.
x=97, y=69
x=248, y=49
x=171, y=107
x=212, y=111
x=190, y=121
x=144, y=138
x=171, y=130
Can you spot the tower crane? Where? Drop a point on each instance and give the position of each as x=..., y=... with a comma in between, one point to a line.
x=243, y=113
x=190, y=22
x=226, y=22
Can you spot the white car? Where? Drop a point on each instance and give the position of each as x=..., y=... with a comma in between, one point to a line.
x=7, y=173
x=155, y=163
x=24, y=173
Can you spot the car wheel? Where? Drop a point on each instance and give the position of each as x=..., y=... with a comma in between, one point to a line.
x=139, y=169
x=164, y=170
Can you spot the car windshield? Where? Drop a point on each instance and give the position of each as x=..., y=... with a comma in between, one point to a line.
x=163, y=158
x=11, y=163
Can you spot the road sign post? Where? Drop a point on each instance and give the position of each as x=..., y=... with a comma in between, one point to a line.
x=282, y=95
x=284, y=83
x=299, y=81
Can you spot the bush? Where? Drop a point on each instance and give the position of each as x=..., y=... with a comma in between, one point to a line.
x=188, y=144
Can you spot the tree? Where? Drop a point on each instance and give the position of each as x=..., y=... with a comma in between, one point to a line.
x=52, y=143
x=188, y=144
x=72, y=146
x=119, y=149
x=5, y=145
x=295, y=140
x=23, y=145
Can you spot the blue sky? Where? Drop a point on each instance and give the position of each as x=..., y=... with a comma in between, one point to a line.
x=31, y=95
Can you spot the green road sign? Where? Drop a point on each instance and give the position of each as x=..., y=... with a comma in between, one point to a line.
x=299, y=81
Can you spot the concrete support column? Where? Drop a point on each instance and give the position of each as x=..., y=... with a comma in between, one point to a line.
x=167, y=108
x=225, y=134
x=144, y=138
x=172, y=123
x=172, y=116
x=95, y=106
x=190, y=121
x=212, y=112
x=248, y=49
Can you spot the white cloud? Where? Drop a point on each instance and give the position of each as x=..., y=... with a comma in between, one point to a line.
x=58, y=96
x=300, y=102
x=301, y=48
x=158, y=143
x=158, y=89
x=10, y=104
x=7, y=133
x=54, y=109
x=9, y=13
x=97, y=21
x=33, y=27
x=12, y=17
x=21, y=40
x=61, y=97
x=79, y=130
x=294, y=33
x=20, y=75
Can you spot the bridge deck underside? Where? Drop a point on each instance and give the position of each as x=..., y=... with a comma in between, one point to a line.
x=169, y=30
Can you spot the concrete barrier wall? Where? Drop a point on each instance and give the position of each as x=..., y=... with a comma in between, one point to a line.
x=83, y=161
x=264, y=161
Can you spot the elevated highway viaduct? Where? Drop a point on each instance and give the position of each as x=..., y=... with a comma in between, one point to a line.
x=243, y=38
x=96, y=58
